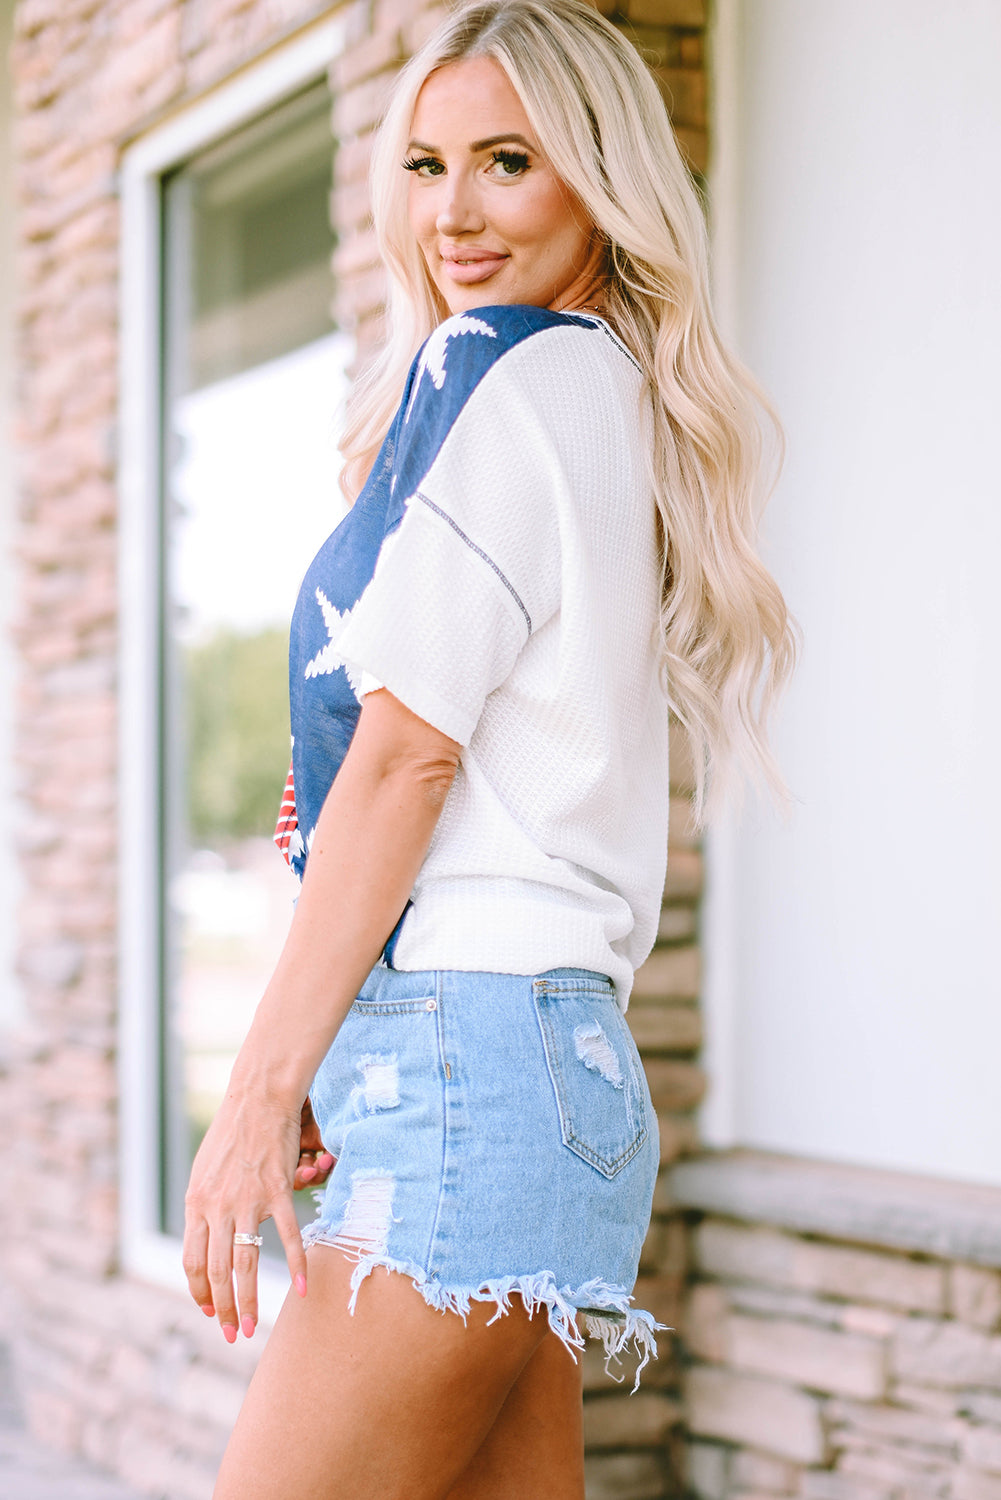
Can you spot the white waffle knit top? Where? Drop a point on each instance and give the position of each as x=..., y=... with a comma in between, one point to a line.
x=515, y=607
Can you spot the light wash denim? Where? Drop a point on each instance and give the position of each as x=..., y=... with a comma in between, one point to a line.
x=494, y=1136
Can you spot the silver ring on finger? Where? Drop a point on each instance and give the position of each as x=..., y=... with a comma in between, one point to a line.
x=248, y=1239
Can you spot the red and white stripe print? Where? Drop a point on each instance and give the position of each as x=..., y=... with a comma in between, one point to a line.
x=288, y=819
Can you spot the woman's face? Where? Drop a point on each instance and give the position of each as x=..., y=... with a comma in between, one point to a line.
x=493, y=221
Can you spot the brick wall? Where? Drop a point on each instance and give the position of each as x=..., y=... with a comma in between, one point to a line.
x=110, y=1366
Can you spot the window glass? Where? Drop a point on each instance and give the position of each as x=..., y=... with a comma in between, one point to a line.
x=254, y=381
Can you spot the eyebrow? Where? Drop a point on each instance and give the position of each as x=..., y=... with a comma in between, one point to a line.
x=484, y=145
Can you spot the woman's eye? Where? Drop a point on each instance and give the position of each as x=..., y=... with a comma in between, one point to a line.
x=426, y=166
x=507, y=163
x=511, y=163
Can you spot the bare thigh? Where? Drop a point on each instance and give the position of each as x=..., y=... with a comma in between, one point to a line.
x=394, y=1402
x=535, y=1447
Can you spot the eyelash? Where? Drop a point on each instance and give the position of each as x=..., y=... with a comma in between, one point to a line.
x=504, y=158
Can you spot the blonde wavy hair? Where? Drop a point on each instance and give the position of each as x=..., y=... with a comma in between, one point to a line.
x=600, y=120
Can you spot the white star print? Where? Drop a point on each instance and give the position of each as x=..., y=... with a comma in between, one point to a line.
x=327, y=659
x=433, y=358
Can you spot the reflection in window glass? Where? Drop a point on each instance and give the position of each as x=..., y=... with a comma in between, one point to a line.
x=254, y=385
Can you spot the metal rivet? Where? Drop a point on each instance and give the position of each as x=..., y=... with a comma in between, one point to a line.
x=431, y=1005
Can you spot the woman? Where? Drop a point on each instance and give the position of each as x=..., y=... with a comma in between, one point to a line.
x=555, y=465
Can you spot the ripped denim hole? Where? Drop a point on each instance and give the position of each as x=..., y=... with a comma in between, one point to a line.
x=368, y=1214
x=597, y=1053
x=380, y=1085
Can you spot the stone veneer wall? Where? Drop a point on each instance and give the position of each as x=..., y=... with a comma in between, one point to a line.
x=851, y=1348
x=127, y=1373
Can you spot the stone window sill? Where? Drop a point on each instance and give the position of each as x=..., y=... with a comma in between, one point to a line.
x=952, y=1220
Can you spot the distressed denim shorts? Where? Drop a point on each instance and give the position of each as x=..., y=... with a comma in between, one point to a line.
x=494, y=1136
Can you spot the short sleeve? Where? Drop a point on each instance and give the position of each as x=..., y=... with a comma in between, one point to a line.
x=473, y=569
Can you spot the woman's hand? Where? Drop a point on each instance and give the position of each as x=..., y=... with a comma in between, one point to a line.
x=315, y=1161
x=243, y=1174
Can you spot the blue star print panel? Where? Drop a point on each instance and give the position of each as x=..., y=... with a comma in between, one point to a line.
x=324, y=688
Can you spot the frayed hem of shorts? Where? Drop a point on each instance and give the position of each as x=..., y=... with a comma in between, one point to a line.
x=605, y=1309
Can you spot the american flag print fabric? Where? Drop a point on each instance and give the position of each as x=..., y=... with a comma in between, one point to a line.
x=287, y=835
x=324, y=694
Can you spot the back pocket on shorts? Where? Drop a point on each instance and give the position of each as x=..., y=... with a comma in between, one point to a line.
x=594, y=1068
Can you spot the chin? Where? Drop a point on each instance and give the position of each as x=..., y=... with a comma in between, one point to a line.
x=469, y=302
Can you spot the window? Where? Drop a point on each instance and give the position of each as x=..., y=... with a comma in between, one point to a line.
x=233, y=385
x=253, y=378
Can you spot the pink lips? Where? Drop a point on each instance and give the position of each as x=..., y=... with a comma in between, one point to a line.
x=468, y=266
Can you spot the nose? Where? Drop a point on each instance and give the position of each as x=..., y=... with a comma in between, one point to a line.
x=459, y=211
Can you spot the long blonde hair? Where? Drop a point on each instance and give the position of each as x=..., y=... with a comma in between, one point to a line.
x=599, y=118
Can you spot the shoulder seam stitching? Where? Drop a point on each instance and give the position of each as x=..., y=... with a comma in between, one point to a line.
x=573, y=319
x=419, y=495
x=604, y=328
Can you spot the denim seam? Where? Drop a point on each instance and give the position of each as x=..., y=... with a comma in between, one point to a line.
x=389, y=1008
x=445, y=1106
x=606, y=990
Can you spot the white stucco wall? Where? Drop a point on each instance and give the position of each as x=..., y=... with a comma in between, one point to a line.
x=854, y=981
x=8, y=883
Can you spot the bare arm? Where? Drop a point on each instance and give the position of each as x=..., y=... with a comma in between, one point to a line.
x=370, y=842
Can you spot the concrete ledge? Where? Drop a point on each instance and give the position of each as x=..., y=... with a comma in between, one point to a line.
x=920, y=1215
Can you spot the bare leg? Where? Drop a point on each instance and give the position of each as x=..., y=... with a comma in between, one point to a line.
x=536, y=1445
x=393, y=1402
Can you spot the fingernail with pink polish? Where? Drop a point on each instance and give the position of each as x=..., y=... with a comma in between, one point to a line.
x=208, y=1309
x=300, y=1284
x=229, y=1333
x=248, y=1325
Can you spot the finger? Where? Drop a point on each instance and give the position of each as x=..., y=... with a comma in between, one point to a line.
x=245, y=1261
x=307, y=1168
x=309, y=1131
x=305, y=1172
x=220, y=1272
x=324, y=1166
x=313, y=1169
x=287, y=1225
x=193, y=1259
